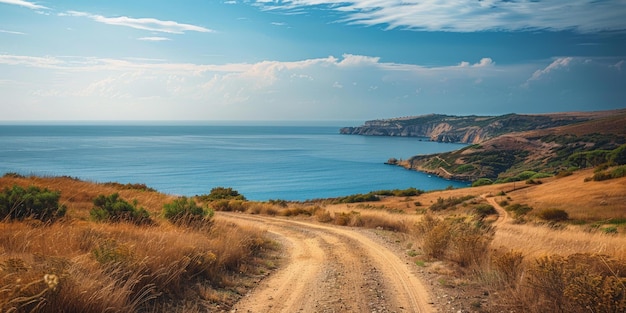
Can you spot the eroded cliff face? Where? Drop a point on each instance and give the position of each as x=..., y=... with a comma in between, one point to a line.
x=463, y=129
x=435, y=131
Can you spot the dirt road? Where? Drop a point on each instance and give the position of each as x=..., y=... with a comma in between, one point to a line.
x=332, y=269
x=503, y=215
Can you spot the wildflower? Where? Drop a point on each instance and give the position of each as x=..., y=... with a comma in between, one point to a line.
x=51, y=280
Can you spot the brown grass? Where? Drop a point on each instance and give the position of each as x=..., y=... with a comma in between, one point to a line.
x=591, y=201
x=83, y=266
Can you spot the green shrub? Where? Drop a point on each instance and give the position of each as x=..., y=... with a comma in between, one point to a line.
x=553, y=215
x=220, y=193
x=482, y=182
x=32, y=202
x=443, y=204
x=519, y=209
x=185, y=211
x=525, y=175
x=484, y=210
x=609, y=230
x=464, y=168
x=600, y=176
x=618, y=172
x=114, y=209
x=533, y=182
x=618, y=156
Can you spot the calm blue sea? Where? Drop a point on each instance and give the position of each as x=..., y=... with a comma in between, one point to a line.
x=261, y=162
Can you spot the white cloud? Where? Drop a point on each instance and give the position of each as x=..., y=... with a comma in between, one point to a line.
x=472, y=15
x=150, y=24
x=358, y=60
x=153, y=39
x=43, y=62
x=11, y=32
x=26, y=4
x=352, y=86
x=559, y=63
x=484, y=62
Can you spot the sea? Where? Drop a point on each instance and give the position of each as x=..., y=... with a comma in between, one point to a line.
x=289, y=161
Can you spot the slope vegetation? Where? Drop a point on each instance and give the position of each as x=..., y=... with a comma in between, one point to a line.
x=521, y=155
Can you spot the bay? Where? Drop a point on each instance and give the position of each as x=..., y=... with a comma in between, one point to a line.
x=290, y=162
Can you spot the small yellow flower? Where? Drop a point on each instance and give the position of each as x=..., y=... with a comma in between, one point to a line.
x=51, y=280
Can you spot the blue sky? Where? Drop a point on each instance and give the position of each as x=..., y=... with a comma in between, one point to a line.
x=308, y=59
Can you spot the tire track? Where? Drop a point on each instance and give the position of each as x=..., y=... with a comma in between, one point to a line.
x=332, y=269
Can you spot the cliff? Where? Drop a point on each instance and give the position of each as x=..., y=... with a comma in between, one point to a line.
x=463, y=129
x=509, y=147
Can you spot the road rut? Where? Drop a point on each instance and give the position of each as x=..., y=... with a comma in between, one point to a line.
x=332, y=269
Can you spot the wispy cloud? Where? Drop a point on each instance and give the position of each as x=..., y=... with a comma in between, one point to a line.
x=11, y=32
x=557, y=64
x=471, y=15
x=153, y=39
x=150, y=24
x=26, y=4
x=319, y=87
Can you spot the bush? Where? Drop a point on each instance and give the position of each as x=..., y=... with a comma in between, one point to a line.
x=509, y=266
x=484, y=210
x=482, y=182
x=470, y=243
x=618, y=172
x=443, y=204
x=519, y=209
x=464, y=242
x=435, y=236
x=19, y=203
x=185, y=211
x=577, y=283
x=114, y=209
x=554, y=215
x=220, y=193
x=228, y=205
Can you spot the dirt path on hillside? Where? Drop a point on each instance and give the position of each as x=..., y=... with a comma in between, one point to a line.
x=503, y=215
x=332, y=269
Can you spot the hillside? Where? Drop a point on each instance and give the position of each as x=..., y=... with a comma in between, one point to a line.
x=511, y=147
x=465, y=129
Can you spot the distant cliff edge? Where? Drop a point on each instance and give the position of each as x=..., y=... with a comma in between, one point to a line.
x=509, y=147
x=462, y=129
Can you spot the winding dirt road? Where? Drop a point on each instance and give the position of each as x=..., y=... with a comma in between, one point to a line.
x=332, y=269
x=503, y=215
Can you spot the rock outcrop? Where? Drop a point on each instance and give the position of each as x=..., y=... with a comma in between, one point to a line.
x=463, y=129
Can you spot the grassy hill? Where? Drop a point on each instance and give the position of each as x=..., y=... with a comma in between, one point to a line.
x=521, y=155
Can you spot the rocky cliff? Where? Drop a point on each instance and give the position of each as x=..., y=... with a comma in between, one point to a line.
x=463, y=129
x=509, y=146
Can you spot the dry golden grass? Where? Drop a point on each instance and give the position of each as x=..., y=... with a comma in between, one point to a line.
x=83, y=266
x=78, y=195
x=592, y=200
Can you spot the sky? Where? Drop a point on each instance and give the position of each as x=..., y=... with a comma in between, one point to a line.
x=273, y=60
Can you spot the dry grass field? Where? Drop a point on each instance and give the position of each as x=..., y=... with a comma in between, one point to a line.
x=526, y=264
x=78, y=265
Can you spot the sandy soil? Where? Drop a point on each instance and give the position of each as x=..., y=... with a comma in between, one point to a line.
x=332, y=269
